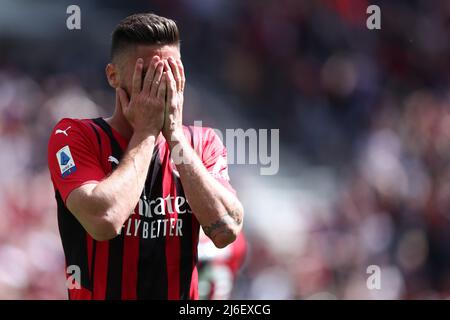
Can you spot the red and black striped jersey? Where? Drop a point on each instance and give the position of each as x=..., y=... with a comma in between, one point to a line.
x=155, y=254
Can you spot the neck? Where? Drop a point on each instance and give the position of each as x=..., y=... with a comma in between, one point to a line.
x=120, y=124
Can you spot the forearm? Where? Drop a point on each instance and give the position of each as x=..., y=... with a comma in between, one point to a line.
x=118, y=194
x=217, y=209
x=103, y=208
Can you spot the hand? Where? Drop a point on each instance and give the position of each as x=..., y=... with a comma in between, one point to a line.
x=145, y=108
x=173, y=120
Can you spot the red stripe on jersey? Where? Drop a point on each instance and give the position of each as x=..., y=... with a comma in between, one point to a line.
x=80, y=294
x=194, y=284
x=172, y=242
x=131, y=261
x=101, y=270
x=194, y=280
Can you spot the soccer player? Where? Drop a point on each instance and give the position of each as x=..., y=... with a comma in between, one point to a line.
x=133, y=190
x=218, y=269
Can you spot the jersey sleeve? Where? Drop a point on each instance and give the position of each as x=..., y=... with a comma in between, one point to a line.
x=214, y=158
x=73, y=157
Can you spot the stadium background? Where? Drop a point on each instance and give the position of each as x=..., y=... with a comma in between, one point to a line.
x=364, y=119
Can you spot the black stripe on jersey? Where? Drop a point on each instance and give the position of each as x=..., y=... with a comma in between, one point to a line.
x=116, y=150
x=152, y=265
x=115, y=256
x=186, y=245
x=75, y=246
x=115, y=261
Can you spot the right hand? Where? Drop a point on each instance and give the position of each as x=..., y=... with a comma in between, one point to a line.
x=144, y=110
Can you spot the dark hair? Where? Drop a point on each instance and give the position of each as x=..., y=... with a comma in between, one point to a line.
x=144, y=28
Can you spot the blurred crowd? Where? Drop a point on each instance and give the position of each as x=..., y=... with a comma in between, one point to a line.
x=364, y=119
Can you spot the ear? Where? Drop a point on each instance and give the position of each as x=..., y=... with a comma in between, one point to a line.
x=112, y=75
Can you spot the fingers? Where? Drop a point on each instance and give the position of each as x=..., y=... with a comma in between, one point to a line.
x=123, y=98
x=162, y=88
x=170, y=71
x=137, y=76
x=175, y=71
x=148, y=81
x=170, y=82
x=156, y=83
x=181, y=71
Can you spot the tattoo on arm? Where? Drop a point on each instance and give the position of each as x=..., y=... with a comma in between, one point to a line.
x=220, y=226
x=234, y=214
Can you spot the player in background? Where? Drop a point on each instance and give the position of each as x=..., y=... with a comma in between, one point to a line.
x=219, y=268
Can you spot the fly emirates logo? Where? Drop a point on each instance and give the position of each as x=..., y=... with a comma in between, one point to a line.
x=158, y=217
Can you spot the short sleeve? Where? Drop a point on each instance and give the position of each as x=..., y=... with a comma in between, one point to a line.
x=214, y=158
x=73, y=159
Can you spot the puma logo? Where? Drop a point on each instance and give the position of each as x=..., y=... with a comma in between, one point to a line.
x=113, y=159
x=62, y=131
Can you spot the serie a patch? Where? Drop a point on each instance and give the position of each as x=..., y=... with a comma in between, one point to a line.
x=65, y=161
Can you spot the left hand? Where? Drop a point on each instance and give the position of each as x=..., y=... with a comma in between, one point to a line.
x=173, y=120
